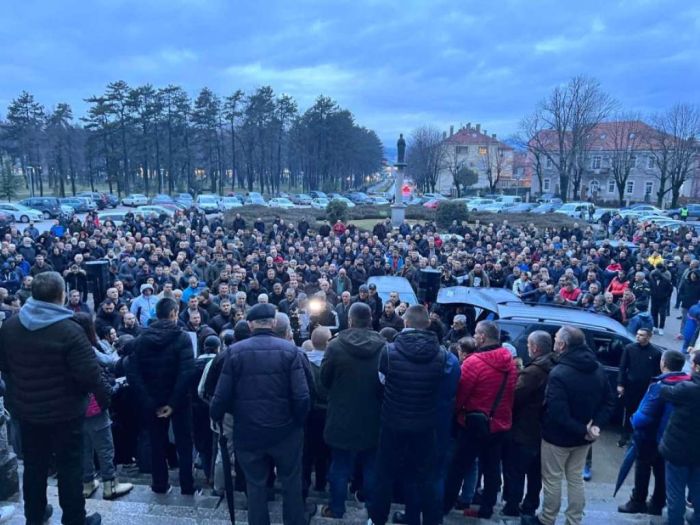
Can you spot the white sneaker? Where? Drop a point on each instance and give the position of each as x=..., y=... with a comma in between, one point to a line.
x=655, y=330
x=6, y=512
x=90, y=488
x=661, y=331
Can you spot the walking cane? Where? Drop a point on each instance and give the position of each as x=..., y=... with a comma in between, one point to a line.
x=228, y=478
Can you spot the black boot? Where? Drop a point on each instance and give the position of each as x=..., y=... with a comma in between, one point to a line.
x=633, y=507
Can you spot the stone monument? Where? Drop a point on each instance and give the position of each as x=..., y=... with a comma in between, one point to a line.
x=398, y=209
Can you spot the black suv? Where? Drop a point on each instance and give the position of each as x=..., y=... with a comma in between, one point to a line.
x=49, y=206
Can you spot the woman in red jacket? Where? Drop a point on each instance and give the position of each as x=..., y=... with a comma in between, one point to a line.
x=618, y=285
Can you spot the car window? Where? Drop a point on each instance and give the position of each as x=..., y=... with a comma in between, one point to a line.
x=607, y=347
x=516, y=334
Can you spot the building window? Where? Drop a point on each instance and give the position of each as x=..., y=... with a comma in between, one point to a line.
x=594, y=187
x=651, y=162
x=596, y=162
x=483, y=151
x=462, y=150
x=546, y=184
x=629, y=187
x=648, y=187
x=611, y=186
x=549, y=162
x=633, y=161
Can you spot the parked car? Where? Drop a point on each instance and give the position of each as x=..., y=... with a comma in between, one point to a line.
x=112, y=200
x=228, y=203
x=154, y=210
x=319, y=203
x=280, y=202
x=101, y=199
x=347, y=201
x=378, y=200
x=548, y=198
x=693, y=212
x=646, y=207
x=50, y=207
x=208, y=203
x=546, y=207
x=301, y=199
x=516, y=319
x=135, y=199
x=432, y=204
x=21, y=213
x=315, y=194
x=509, y=199
x=479, y=204
x=359, y=197
x=387, y=284
x=117, y=217
x=67, y=211
x=435, y=196
x=80, y=204
x=496, y=207
x=577, y=210
x=522, y=207
x=255, y=198
x=185, y=199
x=161, y=198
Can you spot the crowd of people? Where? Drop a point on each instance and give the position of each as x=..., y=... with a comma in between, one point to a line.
x=271, y=335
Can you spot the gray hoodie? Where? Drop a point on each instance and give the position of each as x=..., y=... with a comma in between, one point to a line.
x=36, y=315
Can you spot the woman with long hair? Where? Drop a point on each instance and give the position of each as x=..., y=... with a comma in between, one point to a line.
x=97, y=431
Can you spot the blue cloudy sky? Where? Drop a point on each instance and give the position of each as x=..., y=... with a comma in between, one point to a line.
x=396, y=65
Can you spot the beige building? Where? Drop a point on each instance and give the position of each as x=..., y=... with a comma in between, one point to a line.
x=474, y=148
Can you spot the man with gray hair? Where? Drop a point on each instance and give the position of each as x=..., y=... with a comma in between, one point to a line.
x=521, y=455
x=578, y=401
x=263, y=385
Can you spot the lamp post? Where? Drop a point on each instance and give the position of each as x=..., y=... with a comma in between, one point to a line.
x=398, y=209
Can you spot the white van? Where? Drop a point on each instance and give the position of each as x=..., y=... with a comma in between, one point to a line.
x=509, y=200
x=577, y=210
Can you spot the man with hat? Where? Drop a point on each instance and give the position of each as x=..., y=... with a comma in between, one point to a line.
x=263, y=385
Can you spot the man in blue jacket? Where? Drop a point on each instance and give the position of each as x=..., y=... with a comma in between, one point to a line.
x=263, y=385
x=679, y=445
x=649, y=423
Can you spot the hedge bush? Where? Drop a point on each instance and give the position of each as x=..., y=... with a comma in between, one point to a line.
x=448, y=211
x=336, y=210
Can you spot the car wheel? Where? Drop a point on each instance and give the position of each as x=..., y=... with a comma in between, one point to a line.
x=47, y=215
x=24, y=218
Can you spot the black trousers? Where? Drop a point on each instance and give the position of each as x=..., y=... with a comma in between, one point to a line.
x=658, y=312
x=520, y=461
x=630, y=400
x=64, y=441
x=469, y=448
x=649, y=460
x=158, y=432
x=317, y=454
x=408, y=459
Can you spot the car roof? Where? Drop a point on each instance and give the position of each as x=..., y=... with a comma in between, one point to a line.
x=559, y=315
x=487, y=298
x=387, y=283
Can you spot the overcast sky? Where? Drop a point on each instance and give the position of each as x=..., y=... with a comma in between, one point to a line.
x=395, y=65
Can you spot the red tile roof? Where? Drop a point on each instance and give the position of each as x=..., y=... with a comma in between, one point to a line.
x=471, y=137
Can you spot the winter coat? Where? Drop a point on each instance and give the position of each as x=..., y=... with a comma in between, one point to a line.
x=528, y=400
x=661, y=284
x=349, y=373
x=264, y=386
x=638, y=365
x=413, y=369
x=617, y=287
x=394, y=322
x=689, y=292
x=481, y=377
x=160, y=367
x=682, y=434
x=577, y=392
x=49, y=365
x=651, y=418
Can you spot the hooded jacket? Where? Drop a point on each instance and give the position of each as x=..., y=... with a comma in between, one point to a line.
x=679, y=443
x=349, y=372
x=651, y=418
x=577, y=392
x=160, y=366
x=481, y=378
x=49, y=365
x=413, y=369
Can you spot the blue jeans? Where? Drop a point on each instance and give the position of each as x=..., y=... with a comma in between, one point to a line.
x=342, y=467
x=97, y=437
x=677, y=479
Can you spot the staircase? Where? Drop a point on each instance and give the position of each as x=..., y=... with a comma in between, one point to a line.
x=143, y=507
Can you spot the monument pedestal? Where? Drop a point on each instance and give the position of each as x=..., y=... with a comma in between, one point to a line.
x=9, y=478
x=398, y=214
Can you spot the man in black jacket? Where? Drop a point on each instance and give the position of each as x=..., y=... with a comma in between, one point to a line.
x=640, y=362
x=349, y=373
x=50, y=367
x=578, y=401
x=160, y=370
x=679, y=445
x=263, y=385
x=413, y=369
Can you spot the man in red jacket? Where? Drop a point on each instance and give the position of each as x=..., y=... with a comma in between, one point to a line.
x=484, y=413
